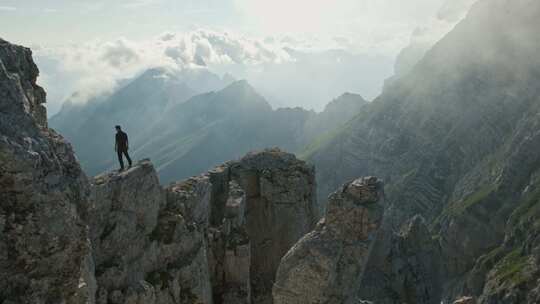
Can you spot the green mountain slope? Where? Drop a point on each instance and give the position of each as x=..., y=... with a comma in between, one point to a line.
x=455, y=140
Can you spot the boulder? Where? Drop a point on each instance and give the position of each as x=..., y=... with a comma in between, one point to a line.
x=326, y=265
x=265, y=205
x=149, y=242
x=465, y=300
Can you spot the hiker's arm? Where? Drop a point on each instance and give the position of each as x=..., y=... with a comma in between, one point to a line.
x=115, y=146
x=127, y=143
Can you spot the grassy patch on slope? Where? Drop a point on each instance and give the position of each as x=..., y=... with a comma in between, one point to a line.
x=512, y=268
x=527, y=210
x=460, y=207
x=320, y=142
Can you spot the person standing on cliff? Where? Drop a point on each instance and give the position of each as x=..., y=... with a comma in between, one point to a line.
x=121, y=146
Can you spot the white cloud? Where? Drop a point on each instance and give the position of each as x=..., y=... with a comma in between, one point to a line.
x=370, y=26
x=426, y=35
x=382, y=25
x=356, y=26
x=96, y=67
x=204, y=47
x=453, y=11
x=120, y=53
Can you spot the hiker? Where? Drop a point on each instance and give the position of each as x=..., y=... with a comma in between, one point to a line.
x=121, y=146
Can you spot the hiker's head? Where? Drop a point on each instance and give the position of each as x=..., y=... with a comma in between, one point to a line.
x=118, y=128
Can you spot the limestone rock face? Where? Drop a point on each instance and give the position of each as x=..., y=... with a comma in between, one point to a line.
x=457, y=141
x=44, y=248
x=121, y=238
x=269, y=204
x=465, y=300
x=230, y=251
x=510, y=273
x=280, y=193
x=20, y=93
x=326, y=265
x=214, y=238
x=416, y=264
x=149, y=243
x=412, y=270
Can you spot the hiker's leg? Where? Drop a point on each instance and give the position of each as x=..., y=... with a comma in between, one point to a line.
x=127, y=157
x=120, y=160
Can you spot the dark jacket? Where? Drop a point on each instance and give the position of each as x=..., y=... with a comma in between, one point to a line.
x=121, y=141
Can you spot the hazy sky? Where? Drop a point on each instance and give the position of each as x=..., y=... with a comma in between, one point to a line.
x=79, y=42
x=61, y=21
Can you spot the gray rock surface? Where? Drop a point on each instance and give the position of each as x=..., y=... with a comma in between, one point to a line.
x=230, y=251
x=44, y=246
x=327, y=265
x=412, y=268
x=217, y=237
x=456, y=141
x=214, y=238
x=510, y=272
x=270, y=205
x=121, y=238
x=149, y=243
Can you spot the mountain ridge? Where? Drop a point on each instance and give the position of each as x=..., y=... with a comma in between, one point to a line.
x=456, y=142
x=453, y=140
x=182, y=137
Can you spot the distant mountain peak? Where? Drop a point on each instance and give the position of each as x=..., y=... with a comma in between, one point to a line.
x=228, y=77
x=160, y=74
x=346, y=101
x=241, y=92
x=241, y=86
x=350, y=95
x=241, y=83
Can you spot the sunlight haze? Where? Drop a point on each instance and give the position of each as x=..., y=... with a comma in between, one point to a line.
x=86, y=47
